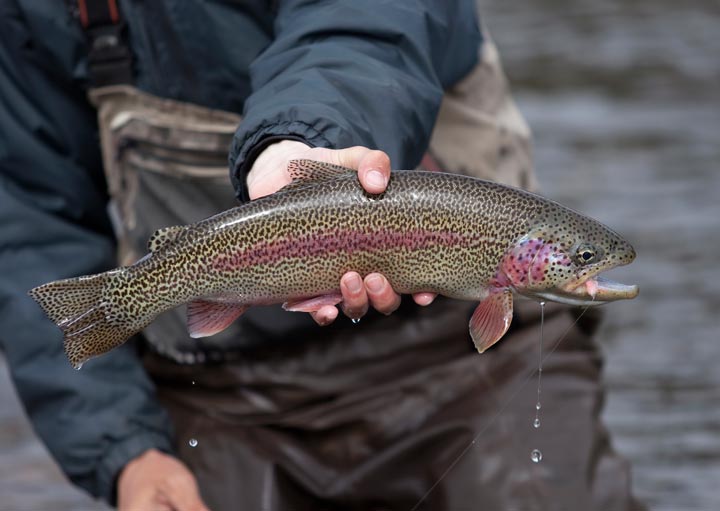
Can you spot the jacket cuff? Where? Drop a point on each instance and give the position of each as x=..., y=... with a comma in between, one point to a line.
x=120, y=455
x=247, y=147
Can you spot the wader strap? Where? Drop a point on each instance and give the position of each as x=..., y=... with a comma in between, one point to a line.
x=109, y=58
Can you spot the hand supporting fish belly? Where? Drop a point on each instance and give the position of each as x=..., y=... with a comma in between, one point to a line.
x=428, y=232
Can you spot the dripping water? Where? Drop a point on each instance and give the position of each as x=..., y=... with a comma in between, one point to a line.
x=536, y=455
x=193, y=442
x=355, y=321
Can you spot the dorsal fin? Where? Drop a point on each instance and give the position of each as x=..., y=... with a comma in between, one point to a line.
x=164, y=236
x=310, y=171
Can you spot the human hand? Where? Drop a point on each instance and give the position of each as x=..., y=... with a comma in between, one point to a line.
x=269, y=173
x=157, y=481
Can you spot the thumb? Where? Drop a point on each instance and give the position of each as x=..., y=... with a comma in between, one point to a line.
x=373, y=166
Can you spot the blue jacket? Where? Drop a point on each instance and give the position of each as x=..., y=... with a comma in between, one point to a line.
x=334, y=73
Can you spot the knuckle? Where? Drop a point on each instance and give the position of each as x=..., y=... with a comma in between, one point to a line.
x=386, y=302
x=379, y=159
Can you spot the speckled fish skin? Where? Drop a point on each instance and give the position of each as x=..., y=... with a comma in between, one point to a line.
x=449, y=234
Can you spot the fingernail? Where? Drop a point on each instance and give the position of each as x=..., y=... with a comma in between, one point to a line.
x=374, y=283
x=354, y=284
x=376, y=179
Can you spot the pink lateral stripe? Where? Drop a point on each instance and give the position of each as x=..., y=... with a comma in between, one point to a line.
x=343, y=241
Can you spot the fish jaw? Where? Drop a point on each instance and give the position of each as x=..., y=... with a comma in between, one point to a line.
x=593, y=291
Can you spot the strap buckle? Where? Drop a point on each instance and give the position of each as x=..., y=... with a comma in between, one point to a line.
x=109, y=58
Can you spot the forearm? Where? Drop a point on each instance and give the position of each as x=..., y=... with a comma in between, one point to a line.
x=95, y=420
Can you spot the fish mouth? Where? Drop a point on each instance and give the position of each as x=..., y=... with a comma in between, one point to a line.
x=592, y=290
x=602, y=290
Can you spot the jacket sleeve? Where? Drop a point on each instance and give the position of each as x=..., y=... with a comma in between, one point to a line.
x=345, y=73
x=53, y=225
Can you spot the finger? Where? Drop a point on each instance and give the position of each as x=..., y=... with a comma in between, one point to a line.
x=381, y=294
x=374, y=171
x=160, y=503
x=325, y=315
x=147, y=498
x=373, y=166
x=355, y=299
x=350, y=157
x=182, y=493
x=424, y=299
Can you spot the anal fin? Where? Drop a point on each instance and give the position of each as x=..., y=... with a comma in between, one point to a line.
x=206, y=318
x=491, y=319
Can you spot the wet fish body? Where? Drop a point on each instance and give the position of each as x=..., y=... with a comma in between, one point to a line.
x=454, y=235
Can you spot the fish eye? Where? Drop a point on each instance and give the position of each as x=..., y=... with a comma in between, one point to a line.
x=586, y=254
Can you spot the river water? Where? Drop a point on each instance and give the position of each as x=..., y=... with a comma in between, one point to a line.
x=624, y=101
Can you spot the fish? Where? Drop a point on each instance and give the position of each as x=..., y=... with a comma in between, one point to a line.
x=450, y=234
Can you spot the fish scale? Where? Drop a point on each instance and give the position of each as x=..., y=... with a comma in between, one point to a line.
x=428, y=232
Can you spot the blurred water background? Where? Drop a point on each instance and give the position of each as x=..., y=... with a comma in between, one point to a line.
x=624, y=101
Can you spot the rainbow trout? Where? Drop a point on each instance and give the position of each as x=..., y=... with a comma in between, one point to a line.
x=449, y=234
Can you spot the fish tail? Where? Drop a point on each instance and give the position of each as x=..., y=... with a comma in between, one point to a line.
x=78, y=306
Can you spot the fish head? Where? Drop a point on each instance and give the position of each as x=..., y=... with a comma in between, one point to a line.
x=561, y=257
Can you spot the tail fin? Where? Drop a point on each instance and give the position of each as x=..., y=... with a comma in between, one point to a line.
x=77, y=306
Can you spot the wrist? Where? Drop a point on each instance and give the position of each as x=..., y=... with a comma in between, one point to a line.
x=136, y=462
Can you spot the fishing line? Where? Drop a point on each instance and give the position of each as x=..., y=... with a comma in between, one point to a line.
x=500, y=411
x=536, y=422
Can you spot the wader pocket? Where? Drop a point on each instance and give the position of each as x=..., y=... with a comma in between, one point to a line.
x=165, y=164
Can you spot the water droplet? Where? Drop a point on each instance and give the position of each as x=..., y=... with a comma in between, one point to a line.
x=536, y=455
x=355, y=321
x=193, y=382
x=536, y=423
x=193, y=442
x=79, y=366
x=537, y=405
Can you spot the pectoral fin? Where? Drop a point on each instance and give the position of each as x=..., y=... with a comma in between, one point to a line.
x=206, y=318
x=312, y=304
x=491, y=319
